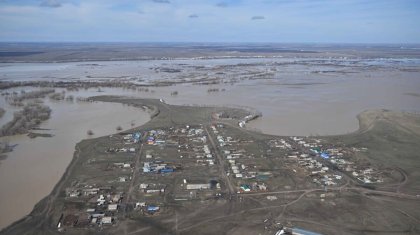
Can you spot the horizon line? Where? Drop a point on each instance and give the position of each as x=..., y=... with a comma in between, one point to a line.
x=216, y=42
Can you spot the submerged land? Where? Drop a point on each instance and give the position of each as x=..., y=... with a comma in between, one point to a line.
x=194, y=170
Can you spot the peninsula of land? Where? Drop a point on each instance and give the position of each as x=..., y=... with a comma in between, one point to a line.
x=196, y=170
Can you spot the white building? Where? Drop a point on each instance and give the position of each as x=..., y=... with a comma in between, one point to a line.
x=106, y=220
x=197, y=186
x=112, y=207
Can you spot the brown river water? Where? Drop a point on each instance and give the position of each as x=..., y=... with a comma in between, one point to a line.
x=294, y=102
x=30, y=172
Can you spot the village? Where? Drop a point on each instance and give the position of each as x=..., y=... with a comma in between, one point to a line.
x=146, y=172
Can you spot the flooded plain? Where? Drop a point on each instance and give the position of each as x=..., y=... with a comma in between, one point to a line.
x=295, y=97
x=30, y=172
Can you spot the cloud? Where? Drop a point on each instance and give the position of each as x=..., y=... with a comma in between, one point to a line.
x=51, y=3
x=193, y=16
x=161, y=1
x=257, y=18
x=221, y=4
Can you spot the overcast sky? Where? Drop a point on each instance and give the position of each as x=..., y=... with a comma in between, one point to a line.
x=352, y=21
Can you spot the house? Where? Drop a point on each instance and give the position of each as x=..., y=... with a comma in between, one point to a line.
x=152, y=209
x=140, y=204
x=137, y=136
x=245, y=188
x=122, y=179
x=151, y=191
x=106, y=220
x=160, y=142
x=112, y=207
x=167, y=170
x=116, y=198
x=98, y=215
x=74, y=194
x=101, y=200
x=90, y=191
x=261, y=187
x=325, y=155
x=151, y=140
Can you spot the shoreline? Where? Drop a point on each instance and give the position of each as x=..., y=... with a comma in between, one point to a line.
x=37, y=165
x=56, y=190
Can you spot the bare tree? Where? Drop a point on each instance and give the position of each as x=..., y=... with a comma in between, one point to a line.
x=28, y=118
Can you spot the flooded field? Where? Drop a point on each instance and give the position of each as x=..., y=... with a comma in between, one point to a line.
x=295, y=97
x=33, y=168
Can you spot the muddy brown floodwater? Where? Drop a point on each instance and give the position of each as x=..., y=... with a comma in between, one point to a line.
x=327, y=108
x=315, y=96
x=30, y=172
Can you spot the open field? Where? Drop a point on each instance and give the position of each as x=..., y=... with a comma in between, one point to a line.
x=193, y=170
